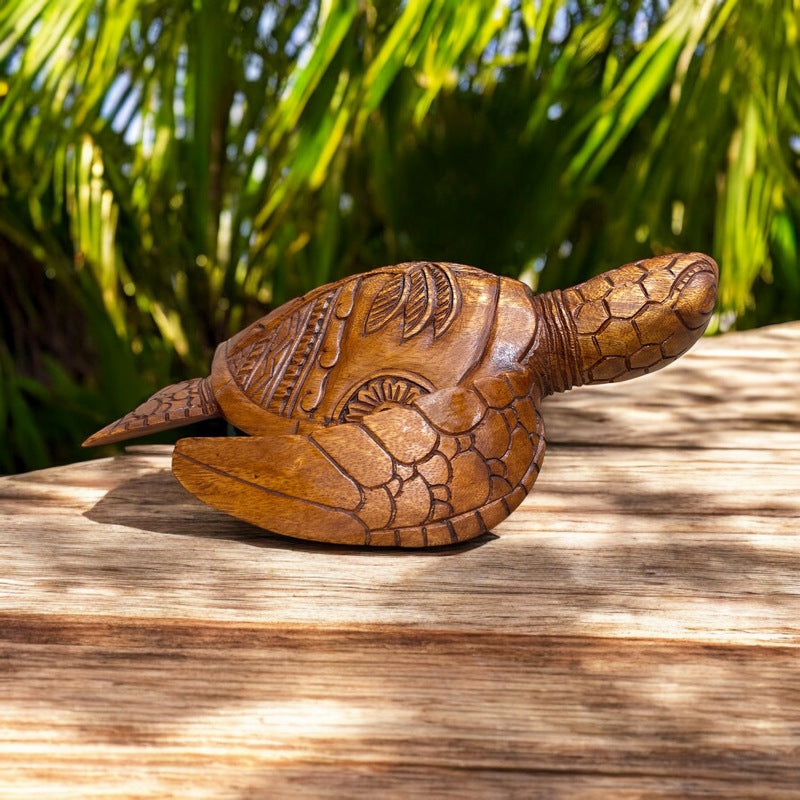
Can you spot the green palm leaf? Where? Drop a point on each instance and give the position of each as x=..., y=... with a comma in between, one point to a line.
x=175, y=167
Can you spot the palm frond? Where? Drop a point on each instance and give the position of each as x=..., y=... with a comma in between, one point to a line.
x=175, y=167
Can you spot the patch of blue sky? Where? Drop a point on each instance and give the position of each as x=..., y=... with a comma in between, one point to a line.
x=267, y=20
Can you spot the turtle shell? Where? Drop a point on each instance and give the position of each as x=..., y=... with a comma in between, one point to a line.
x=370, y=342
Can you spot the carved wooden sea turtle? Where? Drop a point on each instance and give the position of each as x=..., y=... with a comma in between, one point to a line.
x=402, y=407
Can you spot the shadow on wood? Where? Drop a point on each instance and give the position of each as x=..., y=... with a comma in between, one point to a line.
x=156, y=502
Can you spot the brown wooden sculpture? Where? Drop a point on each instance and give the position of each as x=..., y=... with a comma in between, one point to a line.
x=402, y=407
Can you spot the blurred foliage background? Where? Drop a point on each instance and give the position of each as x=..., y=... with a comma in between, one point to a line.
x=170, y=169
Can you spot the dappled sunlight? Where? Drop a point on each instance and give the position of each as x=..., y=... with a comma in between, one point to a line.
x=639, y=611
x=638, y=546
x=267, y=699
x=285, y=727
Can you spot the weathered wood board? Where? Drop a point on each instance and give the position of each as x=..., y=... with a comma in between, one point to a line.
x=631, y=631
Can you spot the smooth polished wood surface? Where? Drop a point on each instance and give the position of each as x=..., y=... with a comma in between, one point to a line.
x=402, y=407
x=643, y=642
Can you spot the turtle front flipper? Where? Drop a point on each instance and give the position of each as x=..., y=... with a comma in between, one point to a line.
x=624, y=323
x=442, y=470
x=171, y=407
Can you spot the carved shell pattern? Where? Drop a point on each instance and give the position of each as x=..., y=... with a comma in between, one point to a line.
x=379, y=394
x=283, y=365
x=271, y=368
x=426, y=294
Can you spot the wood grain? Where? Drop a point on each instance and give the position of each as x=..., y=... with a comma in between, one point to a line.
x=639, y=643
x=276, y=709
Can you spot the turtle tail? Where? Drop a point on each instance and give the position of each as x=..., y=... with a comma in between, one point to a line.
x=171, y=407
x=626, y=322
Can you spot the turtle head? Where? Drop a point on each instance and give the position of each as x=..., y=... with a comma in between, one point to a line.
x=628, y=321
x=688, y=285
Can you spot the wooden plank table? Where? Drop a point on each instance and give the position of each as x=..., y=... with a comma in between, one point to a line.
x=632, y=631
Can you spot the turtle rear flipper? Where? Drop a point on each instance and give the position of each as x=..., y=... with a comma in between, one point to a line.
x=171, y=407
x=445, y=469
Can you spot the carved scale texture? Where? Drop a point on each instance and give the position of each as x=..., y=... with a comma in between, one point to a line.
x=411, y=476
x=443, y=485
x=171, y=407
x=625, y=322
